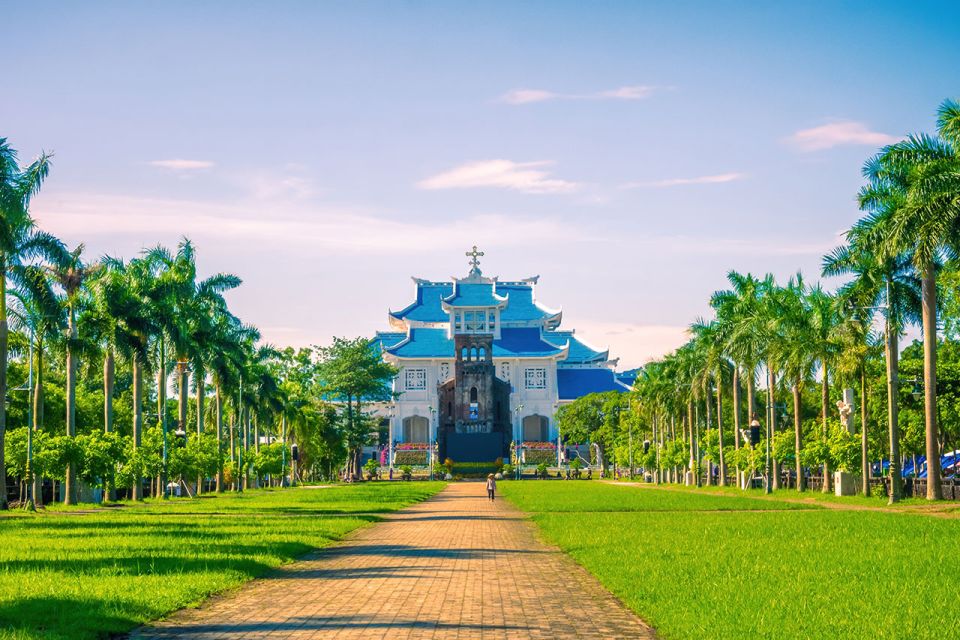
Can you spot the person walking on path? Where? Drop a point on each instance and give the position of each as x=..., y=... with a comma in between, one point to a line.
x=491, y=487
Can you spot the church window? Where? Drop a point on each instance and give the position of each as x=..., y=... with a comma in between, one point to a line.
x=457, y=321
x=473, y=394
x=483, y=353
x=473, y=321
x=473, y=353
x=492, y=320
x=463, y=354
x=444, y=370
x=535, y=378
x=505, y=371
x=415, y=379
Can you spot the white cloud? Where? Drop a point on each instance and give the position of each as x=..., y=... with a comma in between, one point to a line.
x=528, y=96
x=676, y=182
x=179, y=164
x=634, y=344
x=834, y=134
x=526, y=177
x=267, y=226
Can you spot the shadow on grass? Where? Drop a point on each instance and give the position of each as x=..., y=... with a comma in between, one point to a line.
x=312, y=623
x=408, y=551
x=61, y=618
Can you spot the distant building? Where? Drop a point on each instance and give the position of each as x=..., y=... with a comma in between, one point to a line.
x=483, y=363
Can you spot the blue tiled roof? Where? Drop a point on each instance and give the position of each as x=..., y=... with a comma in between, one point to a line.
x=521, y=306
x=628, y=377
x=386, y=339
x=480, y=294
x=524, y=343
x=427, y=307
x=424, y=343
x=574, y=383
x=513, y=343
x=579, y=353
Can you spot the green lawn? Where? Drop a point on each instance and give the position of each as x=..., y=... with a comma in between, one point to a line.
x=696, y=566
x=88, y=575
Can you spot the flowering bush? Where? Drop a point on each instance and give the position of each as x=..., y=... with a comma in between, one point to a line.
x=412, y=446
x=540, y=446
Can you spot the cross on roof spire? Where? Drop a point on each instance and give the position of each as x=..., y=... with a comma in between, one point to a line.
x=474, y=260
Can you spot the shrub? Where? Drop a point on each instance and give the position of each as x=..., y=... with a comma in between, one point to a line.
x=409, y=457
x=538, y=456
x=406, y=472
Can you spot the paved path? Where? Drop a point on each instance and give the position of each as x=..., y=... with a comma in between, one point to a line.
x=454, y=566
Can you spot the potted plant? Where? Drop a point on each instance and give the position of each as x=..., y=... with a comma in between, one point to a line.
x=371, y=468
x=406, y=472
x=575, y=465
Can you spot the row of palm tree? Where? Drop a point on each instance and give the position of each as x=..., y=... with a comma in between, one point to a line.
x=798, y=334
x=152, y=314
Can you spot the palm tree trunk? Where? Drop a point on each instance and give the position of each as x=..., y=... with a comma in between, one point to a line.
x=182, y=389
x=108, y=382
x=893, y=384
x=218, y=408
x=70, y=487
x=736, y=417
x=4, y=335
x=137, y=489
x=773, y=468
x=798, y=434
x=824, y=413
x=690, y=428
x=864, y=431
x=709, y=425
x=199, y=380
x=929, y=296
x=38, y=417
x=723, y=464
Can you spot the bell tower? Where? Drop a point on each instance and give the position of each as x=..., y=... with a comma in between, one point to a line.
x=474, y=406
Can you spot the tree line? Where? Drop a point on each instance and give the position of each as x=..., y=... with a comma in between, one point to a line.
x=779, y=354
x=89, y=348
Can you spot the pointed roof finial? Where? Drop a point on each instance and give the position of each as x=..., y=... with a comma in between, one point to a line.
x=474, y=261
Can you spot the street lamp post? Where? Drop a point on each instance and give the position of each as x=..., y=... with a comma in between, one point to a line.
x=630, y=429
x=431, y=439
x=392, y=413
x=518, y=430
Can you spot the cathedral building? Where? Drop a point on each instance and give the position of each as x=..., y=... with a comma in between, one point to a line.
x=483, y=364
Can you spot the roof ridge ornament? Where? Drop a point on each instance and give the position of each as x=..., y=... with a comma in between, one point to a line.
x=474, y=256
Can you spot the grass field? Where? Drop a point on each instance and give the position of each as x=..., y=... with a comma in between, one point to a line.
x=73, y=574
x=700, y=565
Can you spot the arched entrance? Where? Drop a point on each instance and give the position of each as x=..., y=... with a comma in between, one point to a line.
x=416, y=429
x=536, y=428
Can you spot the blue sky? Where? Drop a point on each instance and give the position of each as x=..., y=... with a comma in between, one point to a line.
x=629, y=153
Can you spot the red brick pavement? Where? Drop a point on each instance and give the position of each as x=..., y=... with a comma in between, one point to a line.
x=454, y=566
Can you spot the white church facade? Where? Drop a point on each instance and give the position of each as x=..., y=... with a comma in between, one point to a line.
x=483, y=364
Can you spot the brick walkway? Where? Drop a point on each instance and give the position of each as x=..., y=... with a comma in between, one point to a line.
x=455, y=566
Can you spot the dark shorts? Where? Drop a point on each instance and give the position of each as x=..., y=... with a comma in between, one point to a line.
x=490, y=493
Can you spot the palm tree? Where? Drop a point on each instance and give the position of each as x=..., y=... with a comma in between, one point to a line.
x=795, y=357
x=927, y=223
x=226, y=361
x=885, y=283
x=36, y=312
x=71, y=273
x=824, y=318
x=738, y=309
x=20, y=242
x=710, y=340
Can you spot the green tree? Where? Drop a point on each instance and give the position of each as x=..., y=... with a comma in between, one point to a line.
x=20, y=242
